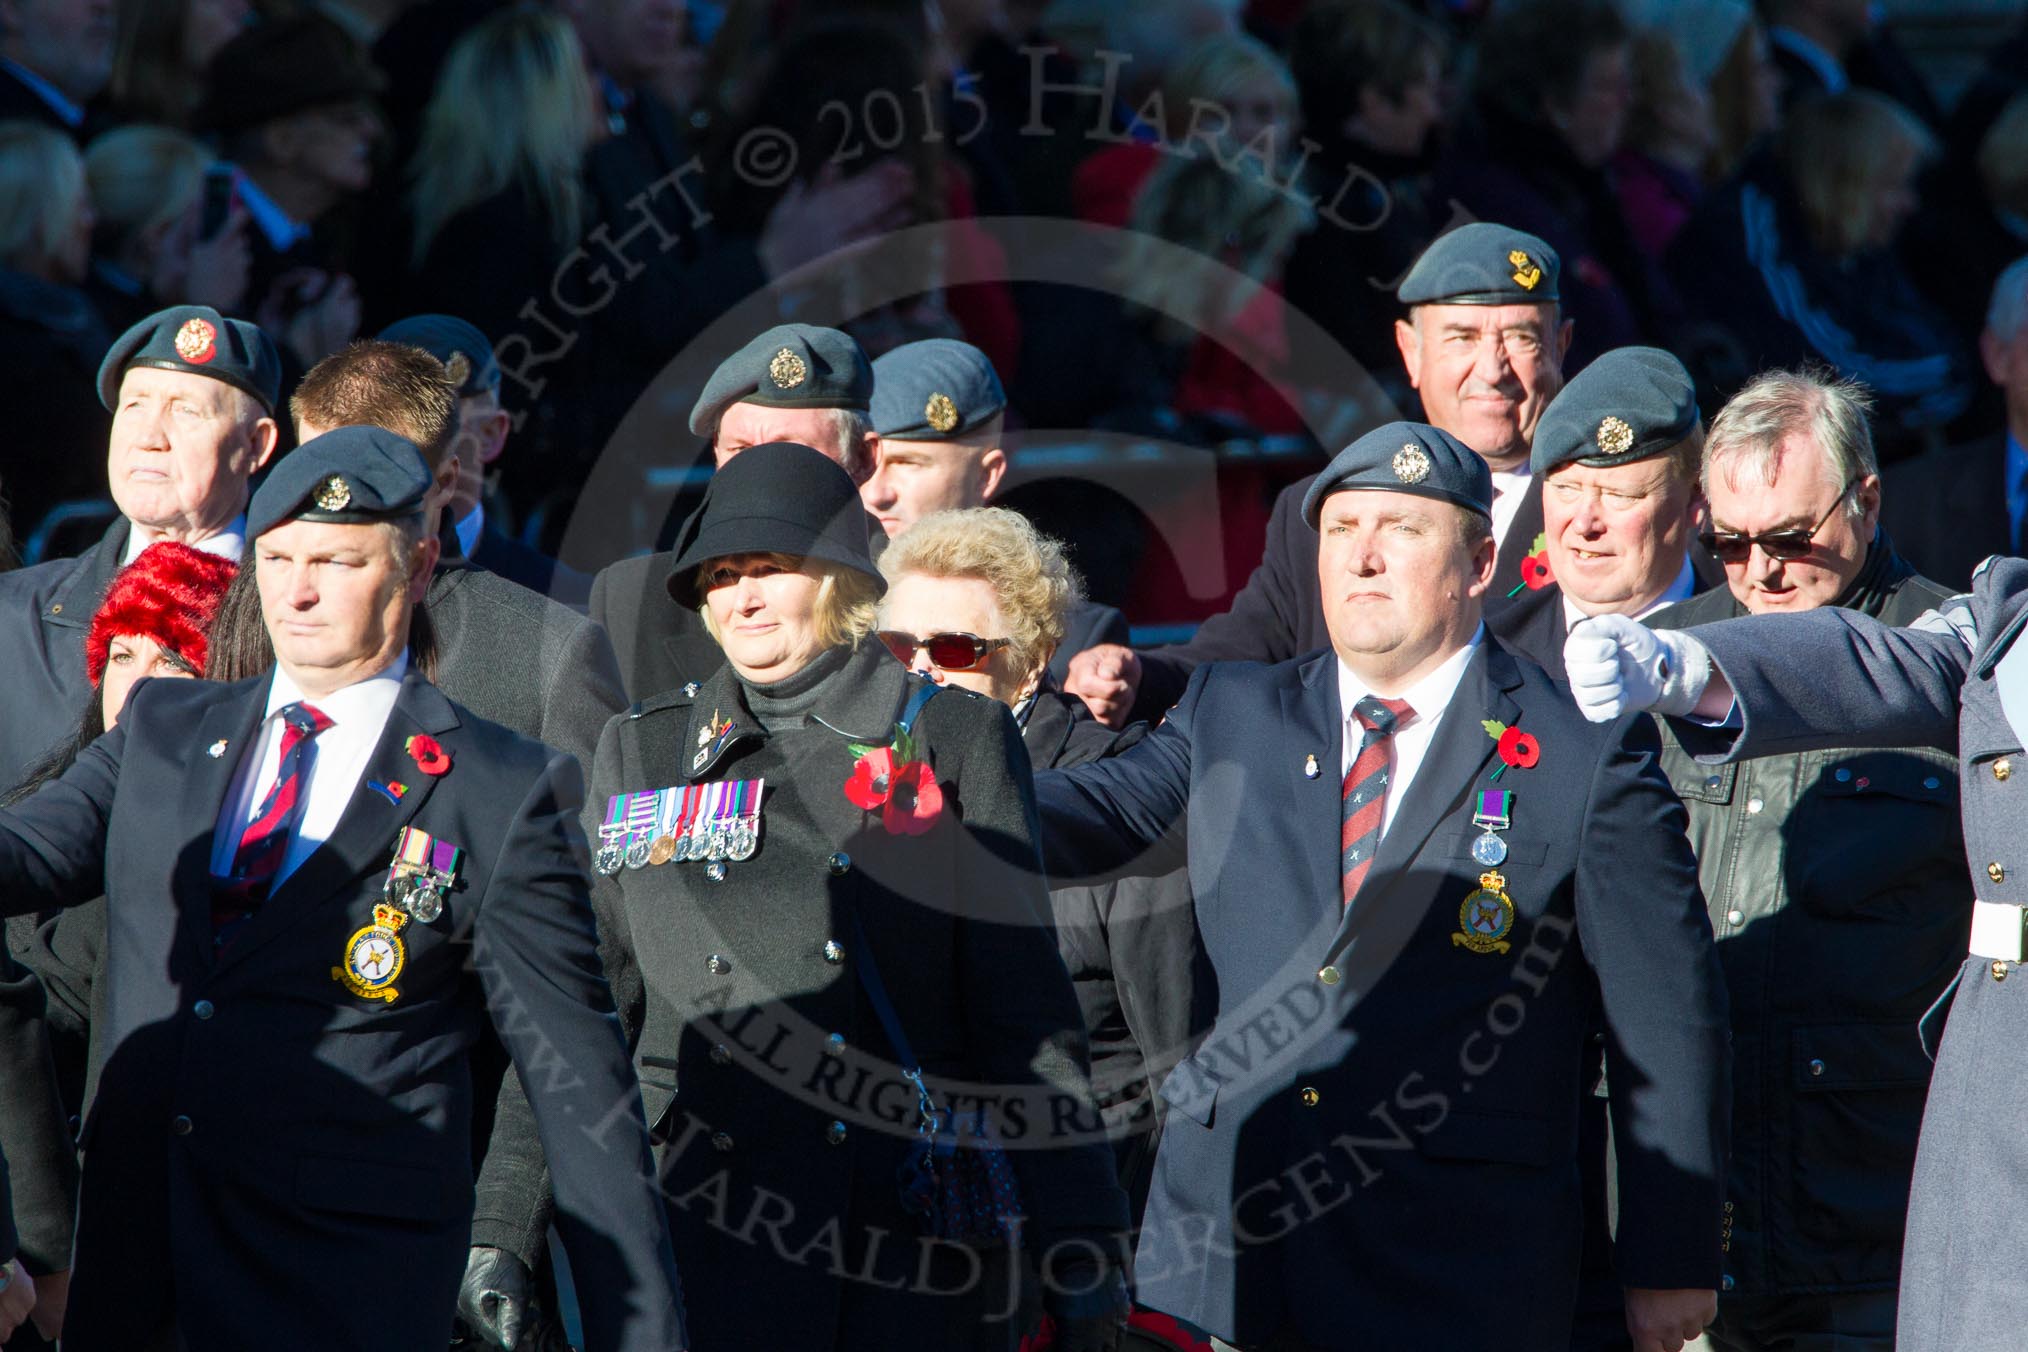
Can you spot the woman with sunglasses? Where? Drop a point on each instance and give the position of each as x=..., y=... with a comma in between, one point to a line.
x=980, y=599
x=795, y=855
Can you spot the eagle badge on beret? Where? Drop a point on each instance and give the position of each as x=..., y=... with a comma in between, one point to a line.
x=940, y=412
x=1614, y=436
x=459, y=368
x=1411, y=464
x=788, y=370
x=333, y=494
x=1527, y=275
x=197, y=341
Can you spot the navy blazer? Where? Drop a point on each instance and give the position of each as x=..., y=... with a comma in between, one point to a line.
x=1380, y=1132
x=274, y=1161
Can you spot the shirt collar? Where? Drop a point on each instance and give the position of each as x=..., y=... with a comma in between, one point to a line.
x=228, y=544
x=356, y=703
x=283, y=232
x=469, y=527
x=1682, y=589
x=1429, y=697
x=71, y=114
x=1828, y=68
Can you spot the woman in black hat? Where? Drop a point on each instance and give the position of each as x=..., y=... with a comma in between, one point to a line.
x=805, y=860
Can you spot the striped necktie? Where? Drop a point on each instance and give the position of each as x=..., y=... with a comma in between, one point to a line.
x=1365, y=804
x=265, y=840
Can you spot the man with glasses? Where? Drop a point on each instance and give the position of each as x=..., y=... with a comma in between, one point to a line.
x=1836, y=885
x=1617, y=455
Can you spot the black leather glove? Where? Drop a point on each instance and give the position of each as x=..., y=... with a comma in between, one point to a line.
x=1089, y=1304
x=493, y=1298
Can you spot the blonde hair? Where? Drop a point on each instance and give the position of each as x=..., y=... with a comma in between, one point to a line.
x=1031, y=579
x=42, y=188
x=141, y=177
x=1836, y=151
x=847, y=604
x=512, y=108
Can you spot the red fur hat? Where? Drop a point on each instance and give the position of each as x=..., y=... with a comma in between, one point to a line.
x=170, y=593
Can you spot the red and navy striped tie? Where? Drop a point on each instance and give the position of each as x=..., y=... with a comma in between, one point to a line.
x=265, y=841
x=1365, y=805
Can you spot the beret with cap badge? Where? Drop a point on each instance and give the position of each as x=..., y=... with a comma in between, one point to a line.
x=1628, y=404
x=350, y=475
x=934, y=390
x=1406, y=457
x=199, y=340
x=1482, y=263
x=788, y=366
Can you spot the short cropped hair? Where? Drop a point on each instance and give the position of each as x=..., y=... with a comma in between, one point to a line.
x=1031, y=579
x=380, y=384
x=1832, y=410
x=846, y=605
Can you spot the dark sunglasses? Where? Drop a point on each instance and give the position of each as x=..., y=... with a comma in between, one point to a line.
x=1793, y=543
x=952, y=652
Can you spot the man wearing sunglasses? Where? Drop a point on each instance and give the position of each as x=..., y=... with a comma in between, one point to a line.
x=1836, y=885
x=1837, y=888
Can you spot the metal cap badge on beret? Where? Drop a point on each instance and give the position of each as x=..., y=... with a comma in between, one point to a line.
x=1629, y=404
x=460, y=346
x=1406, y=457
x=934, y=390
x=349, y=474
x=1483, y=264
x=200, y=340
x=789, y=366
x=780, y=497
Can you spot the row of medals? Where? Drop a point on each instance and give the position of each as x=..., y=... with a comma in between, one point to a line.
x=419, y=894
x=735, y=840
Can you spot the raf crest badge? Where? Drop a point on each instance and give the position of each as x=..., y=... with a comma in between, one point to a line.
x=788, y=370
x=373, y=957
x=1411, y=464
x=1614, y=436
x=1527, y=276
x=1487, y=917
x=334, y=494
x=459, y=368
x=940, y=413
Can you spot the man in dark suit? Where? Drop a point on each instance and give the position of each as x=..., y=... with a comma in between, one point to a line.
x=193, y=397
x=939, y=410
x=1384, y=848
x=55, y=58
x=481, y=437
x=279, y=1152
x=1617, y=454
x=1954, y=507
x=1483, y=342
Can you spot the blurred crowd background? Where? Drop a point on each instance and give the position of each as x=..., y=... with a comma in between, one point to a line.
x=1174, y=225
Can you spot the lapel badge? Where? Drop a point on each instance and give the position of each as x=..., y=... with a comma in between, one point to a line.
x=374, y=956
x=1527, y=275
x=1486, y=917
x=1310, y=770
x=788, y=370
x=216, y=749
x=392, y=790
x=1411, y=464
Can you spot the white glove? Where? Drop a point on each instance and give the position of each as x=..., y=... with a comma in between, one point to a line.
x=1615, y=664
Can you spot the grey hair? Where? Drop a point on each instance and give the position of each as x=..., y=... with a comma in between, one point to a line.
x=2009, y=306
x=1832, y=410
x=849, y=429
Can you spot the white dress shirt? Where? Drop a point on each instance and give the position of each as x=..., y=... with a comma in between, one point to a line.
x=1509, y=487
x=1428, y=697
x=228, y=544
x=337, y=757
x=1682, y=589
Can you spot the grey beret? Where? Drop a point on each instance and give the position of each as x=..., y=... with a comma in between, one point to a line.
x=201, y=341
x=1483, y=264
x=1629, y=404
x=789, y=366
x=350, y=474
x=459, y=345
x=934, y=390
x=1406, y=457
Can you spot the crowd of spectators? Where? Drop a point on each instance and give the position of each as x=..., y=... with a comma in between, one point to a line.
x=1181, y=220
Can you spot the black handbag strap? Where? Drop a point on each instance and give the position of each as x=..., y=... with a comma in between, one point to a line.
x=869, y=970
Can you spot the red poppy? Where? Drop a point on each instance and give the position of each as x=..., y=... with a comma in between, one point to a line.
x=1518, y=749
x=1535, y=572
x=907, y=795
x=429, y=755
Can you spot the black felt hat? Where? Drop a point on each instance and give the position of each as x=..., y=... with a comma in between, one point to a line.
x=780, y=497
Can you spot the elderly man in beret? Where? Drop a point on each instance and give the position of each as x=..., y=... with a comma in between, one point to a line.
x=1383, y=842
x=793, y=382
x=939, y=412
x=193, y=397
x=1617, y=456
x=481, y=438
x=1483, y=341
x=320, y=879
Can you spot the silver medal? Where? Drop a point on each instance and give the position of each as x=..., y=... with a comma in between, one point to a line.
x=745, y=840
x=425, y=901
x=637, y=852
x=1490, y=850
x=610, y=856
